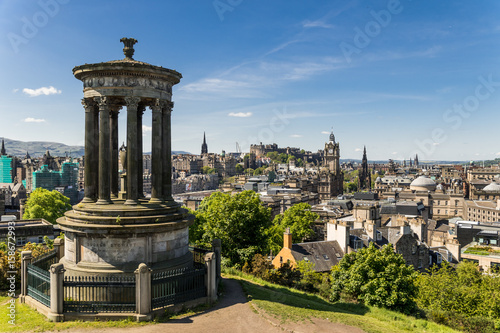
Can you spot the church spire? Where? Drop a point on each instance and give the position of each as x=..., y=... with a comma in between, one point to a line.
x=2, y=152
x=204, y=147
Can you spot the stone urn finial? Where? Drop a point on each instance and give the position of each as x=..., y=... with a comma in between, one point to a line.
x=123, y=156
x=128, y=48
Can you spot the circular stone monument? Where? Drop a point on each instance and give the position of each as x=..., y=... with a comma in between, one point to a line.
x=113, y=231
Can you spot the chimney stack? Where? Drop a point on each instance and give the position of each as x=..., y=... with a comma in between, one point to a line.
x=287, y=239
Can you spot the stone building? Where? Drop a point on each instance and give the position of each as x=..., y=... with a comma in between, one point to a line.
x=331, y=177
x=482, y=211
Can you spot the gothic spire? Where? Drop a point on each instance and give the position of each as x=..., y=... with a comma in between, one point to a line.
x=2, y=152
x=204, y=146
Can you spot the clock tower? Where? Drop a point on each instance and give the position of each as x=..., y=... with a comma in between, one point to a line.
x=331, y=178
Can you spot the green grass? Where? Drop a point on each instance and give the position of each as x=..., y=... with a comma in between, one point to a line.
x=30, y=320
x=289, y=305
x=481, y=250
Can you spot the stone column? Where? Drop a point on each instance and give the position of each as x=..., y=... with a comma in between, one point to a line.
x=167, y=152
x=143, y=290
x=140, y=165
x=90, y=172
x=104, y=152
x=132, y=169
x=216, y=248
x=95, y=155
x=157, y=154
x=59, y=246
x=56, y=293
x=25, y=260
x=113, y=127
x=211, y=278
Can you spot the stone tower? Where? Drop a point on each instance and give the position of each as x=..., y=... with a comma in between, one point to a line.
x=110, y=232
x=331, y=178
x=365, y=180
x=204, y=147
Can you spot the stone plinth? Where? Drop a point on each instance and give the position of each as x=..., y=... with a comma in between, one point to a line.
x=116, y=238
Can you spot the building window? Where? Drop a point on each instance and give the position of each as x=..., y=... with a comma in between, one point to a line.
x=413, y=249
x=20, y=241
x=419, y=263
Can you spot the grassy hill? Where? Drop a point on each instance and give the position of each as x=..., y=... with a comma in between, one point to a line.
x=285, y=305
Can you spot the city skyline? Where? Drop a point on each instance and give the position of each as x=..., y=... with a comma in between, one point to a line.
x=397, y=76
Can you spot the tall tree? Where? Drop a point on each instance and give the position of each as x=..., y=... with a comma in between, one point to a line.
x=239, y=221
x=376, y=277
x=49, y=205
x=299, y=219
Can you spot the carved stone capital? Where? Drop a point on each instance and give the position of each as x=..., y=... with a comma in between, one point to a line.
x=88, y=104
x=167, y=108
x=102, y=102
x=132, y=102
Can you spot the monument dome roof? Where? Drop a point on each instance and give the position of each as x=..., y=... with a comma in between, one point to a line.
x=493, y=187
x=423, y=182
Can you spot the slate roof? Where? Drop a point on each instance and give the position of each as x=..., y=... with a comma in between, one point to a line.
x=324, y=254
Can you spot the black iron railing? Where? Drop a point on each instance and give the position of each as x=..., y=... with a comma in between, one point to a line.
x=39, y=284
x=177, y=286
x=92, y=294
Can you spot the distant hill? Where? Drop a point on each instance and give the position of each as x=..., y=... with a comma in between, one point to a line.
x=38, y=148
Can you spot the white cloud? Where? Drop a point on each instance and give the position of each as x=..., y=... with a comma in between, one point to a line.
x=394, y=153
x=325, y=132
x=240, y=114
x=498, y=154
x=15, y=90
x=317, y=24
x=41, y=91
x=435, y=143
x=358, y=149
x=146, y=128
x=33, y=120
x=296, y=136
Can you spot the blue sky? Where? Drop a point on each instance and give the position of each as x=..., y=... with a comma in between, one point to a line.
x=401, y=77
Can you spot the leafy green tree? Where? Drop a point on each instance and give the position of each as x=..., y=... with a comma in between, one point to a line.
x=238, y=169
x=249, y=171
x=299, y=219
x=208, y=170
x=239, y=221
x=376, y=277
x=259, y=171
x=282, y=158
x=45, y=204
x=464, y=290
